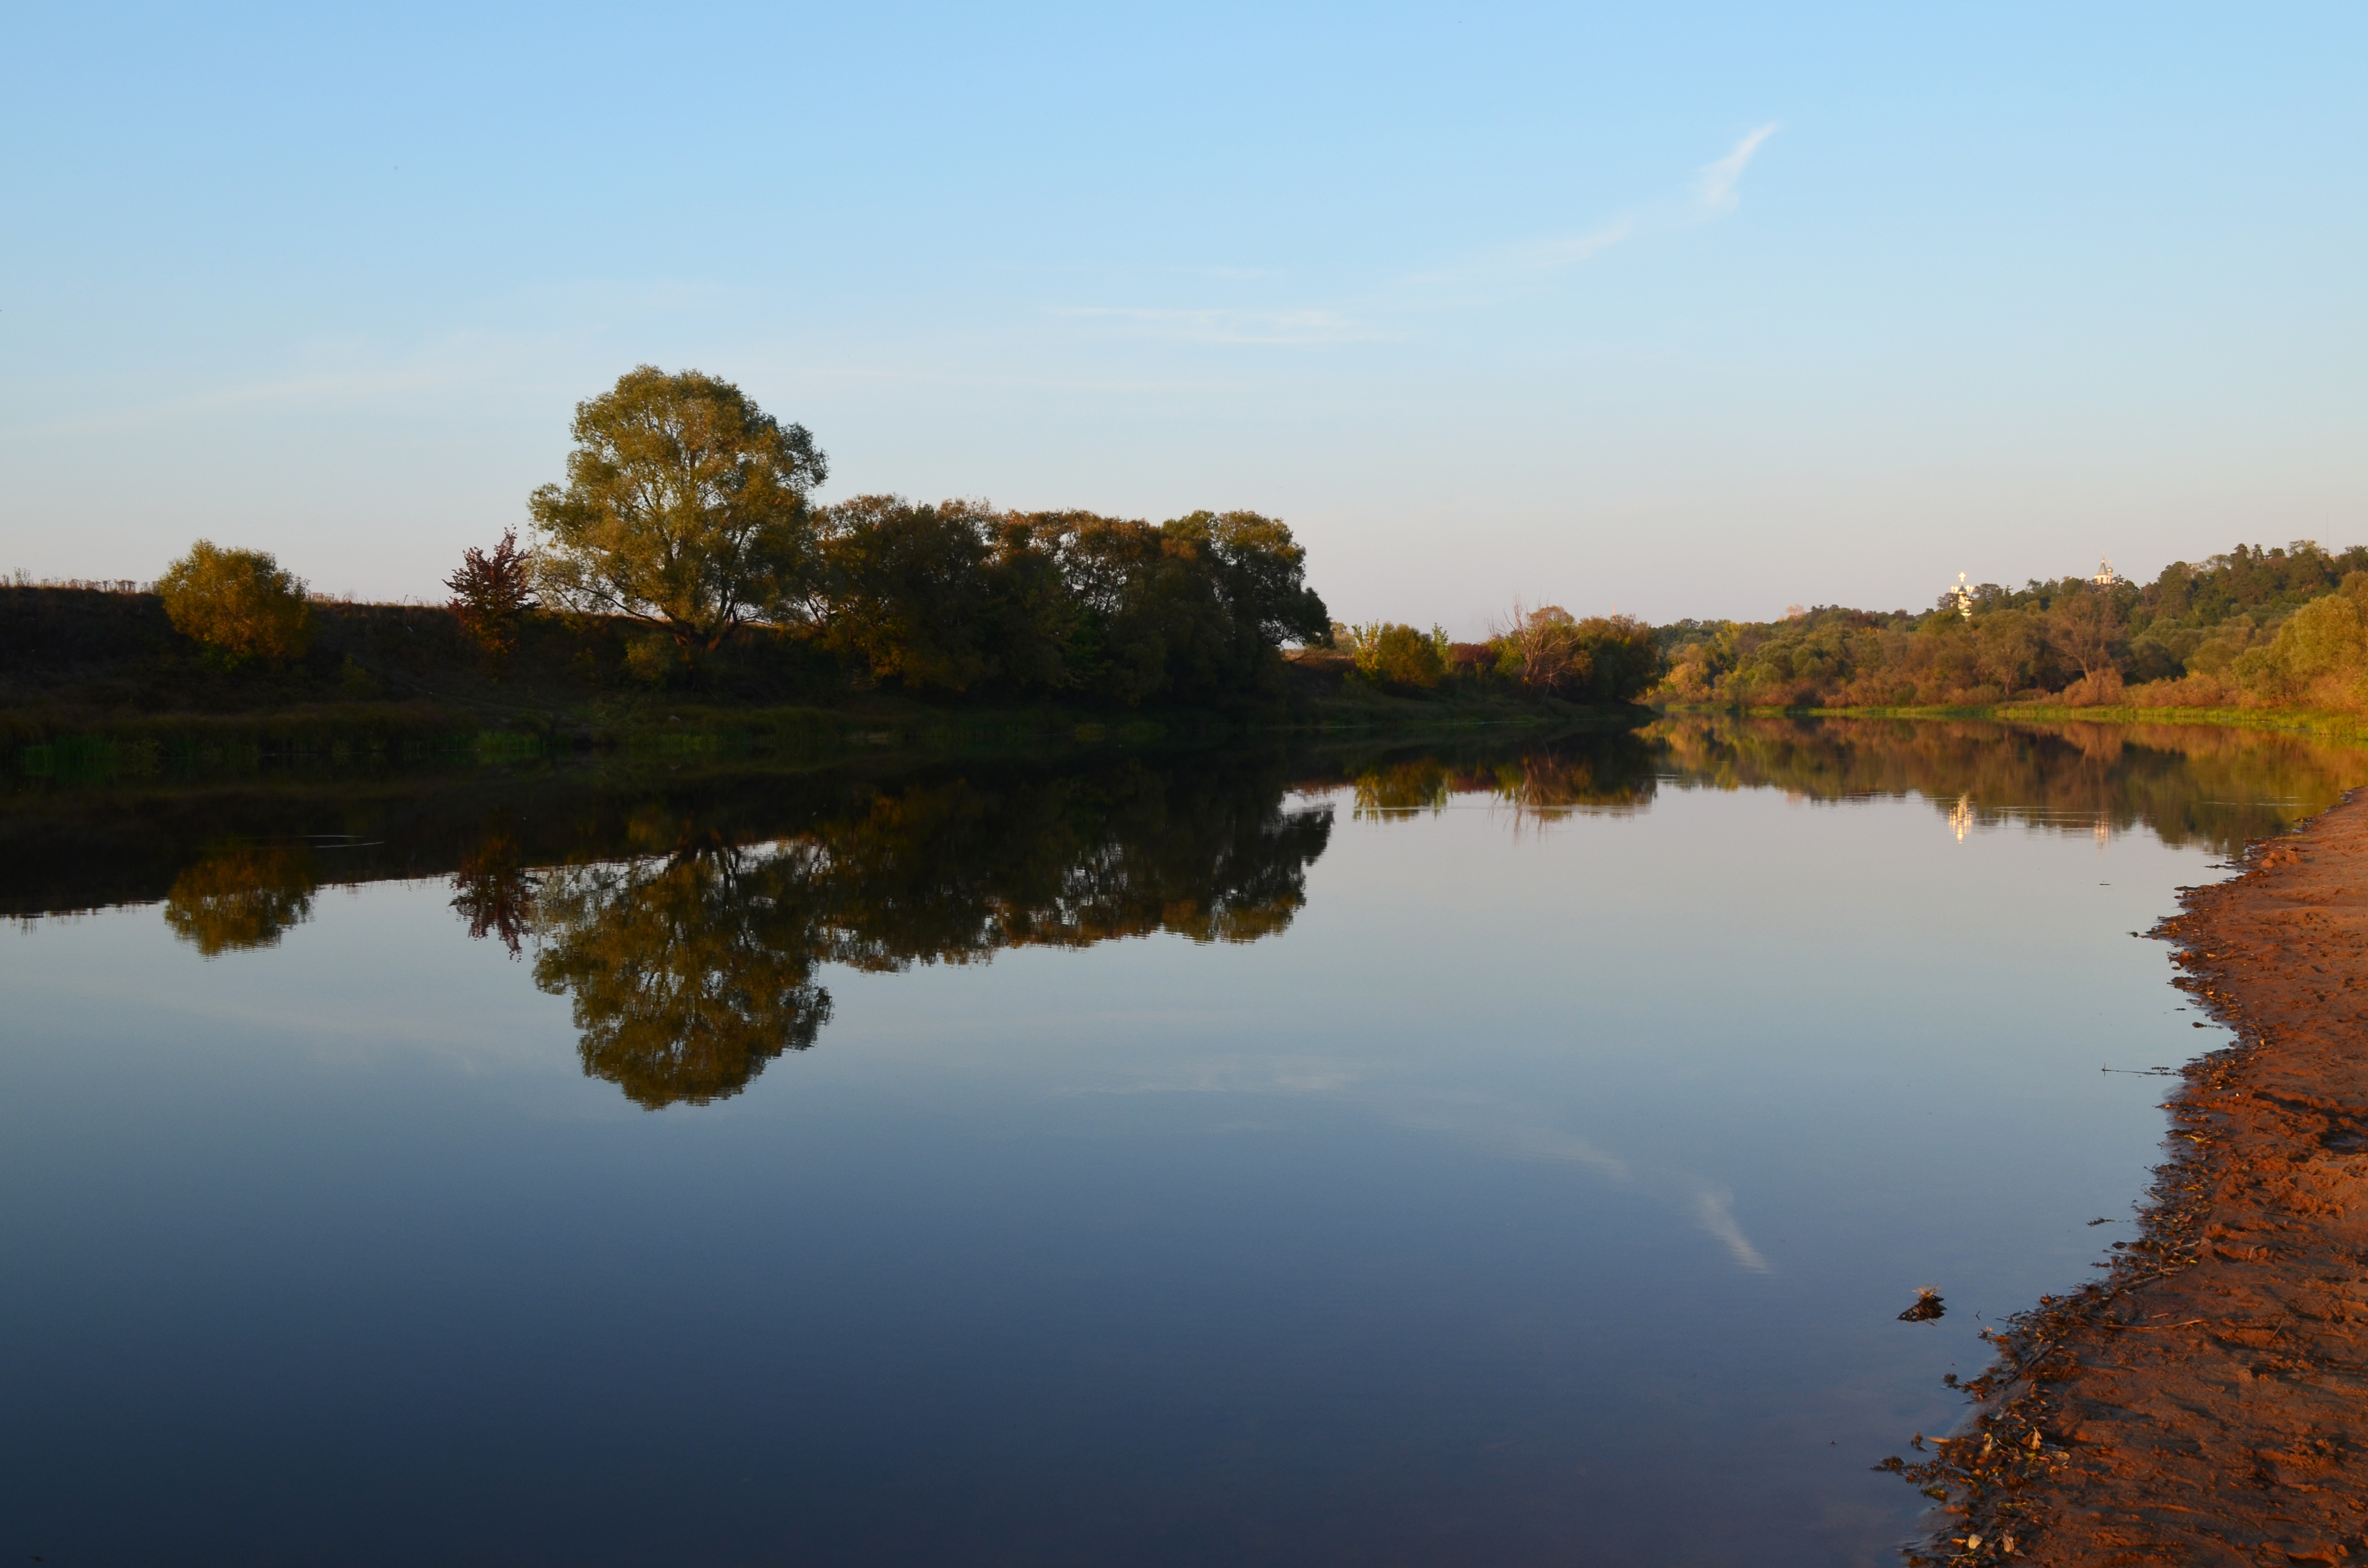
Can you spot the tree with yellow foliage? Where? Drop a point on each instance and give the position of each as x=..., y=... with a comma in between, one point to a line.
x=241, y=604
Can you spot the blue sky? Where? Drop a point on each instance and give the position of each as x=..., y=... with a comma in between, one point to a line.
x=1678, y=310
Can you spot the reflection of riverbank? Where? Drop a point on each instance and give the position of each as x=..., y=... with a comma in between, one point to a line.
x=2187, y=784
x=2201, y=1405
x=687, y=911
x=66, y=849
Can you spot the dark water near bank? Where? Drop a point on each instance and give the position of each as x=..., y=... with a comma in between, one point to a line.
x=1495, y=1154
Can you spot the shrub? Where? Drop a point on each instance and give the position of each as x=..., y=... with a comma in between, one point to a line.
x=652, y=659
x=1398, y=655
x=490, y=593
x=239, y=603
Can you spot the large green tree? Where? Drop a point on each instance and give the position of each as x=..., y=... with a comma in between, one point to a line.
x=685, y=507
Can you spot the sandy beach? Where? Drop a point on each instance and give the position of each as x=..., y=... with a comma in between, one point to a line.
x=2206, y=1402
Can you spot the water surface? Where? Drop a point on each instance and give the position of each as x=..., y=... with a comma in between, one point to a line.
x=1494, y=1155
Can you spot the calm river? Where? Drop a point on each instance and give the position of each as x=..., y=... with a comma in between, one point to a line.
x=1489, y=1156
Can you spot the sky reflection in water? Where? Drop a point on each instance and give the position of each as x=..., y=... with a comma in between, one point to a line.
x=1486, y=1156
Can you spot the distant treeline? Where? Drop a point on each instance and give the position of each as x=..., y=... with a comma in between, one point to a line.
x=1545, y=651
x=685, y=550
x=2254, y=628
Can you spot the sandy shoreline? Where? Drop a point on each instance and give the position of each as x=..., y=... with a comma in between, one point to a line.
x=2206, y=1402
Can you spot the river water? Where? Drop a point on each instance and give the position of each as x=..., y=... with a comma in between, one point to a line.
x=1507, y=1153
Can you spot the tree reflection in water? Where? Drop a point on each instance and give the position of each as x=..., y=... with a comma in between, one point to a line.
x=495, y=892
x=688, y=919
x=2187, y=784
x=1607, y=776
x=690, y=971
x=242, y=896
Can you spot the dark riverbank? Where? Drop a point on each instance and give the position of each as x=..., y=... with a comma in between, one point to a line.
x=2201, y=1403
x=79, y=664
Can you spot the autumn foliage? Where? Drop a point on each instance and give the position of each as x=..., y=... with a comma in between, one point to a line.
x=2254, y=627
x=1545, y=651
x=239, y=603
x=491, y=594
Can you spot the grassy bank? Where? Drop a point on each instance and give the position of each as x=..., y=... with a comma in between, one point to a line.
x=94, y=681
x=74, y=747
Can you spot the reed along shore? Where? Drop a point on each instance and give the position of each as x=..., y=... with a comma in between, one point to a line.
x=2206, y=1403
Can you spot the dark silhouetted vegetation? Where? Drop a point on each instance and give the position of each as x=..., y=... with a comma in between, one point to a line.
x=683, y=561
x=957, y=598
x=686, y=510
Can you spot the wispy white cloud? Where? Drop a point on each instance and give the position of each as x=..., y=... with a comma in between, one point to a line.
x=1715, y=190
x=1299, y=326
x=1480, y=279
x=1477, y=281
x=333, y=375
x=1554, y=256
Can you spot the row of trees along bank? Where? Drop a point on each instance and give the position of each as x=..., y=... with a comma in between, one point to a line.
x=684, y=546
x=685, y=508
x=685, y=537
x=2254, y=627
x=685, y=541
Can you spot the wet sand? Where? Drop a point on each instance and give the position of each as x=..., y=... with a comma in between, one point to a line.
x=2206, y=1402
